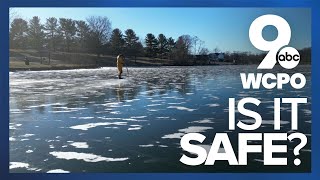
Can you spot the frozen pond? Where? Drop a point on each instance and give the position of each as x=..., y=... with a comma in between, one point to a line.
x=89, y=121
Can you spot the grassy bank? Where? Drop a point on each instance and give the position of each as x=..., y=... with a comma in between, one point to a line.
x=63, y=60
x=34, y=66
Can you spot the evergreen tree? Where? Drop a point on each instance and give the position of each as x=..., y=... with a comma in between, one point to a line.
x=52, y=32
x=162, y=45
x=170, y=46
x=130, y=37
x=132, y=43
x=35, y=33
x=117, y=42
x=68, y=31
x=83, y=31
x=18, y=33
x=139, y=51
x=94, y=44
x=151, y=45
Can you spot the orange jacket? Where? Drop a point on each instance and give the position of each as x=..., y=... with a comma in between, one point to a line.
x=120, y=62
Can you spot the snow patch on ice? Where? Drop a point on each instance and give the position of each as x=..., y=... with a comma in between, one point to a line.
x=191, y=129
x=146, y=145
x=80, y=145
x=85, y=127
x=271, y=122
x=29, y=151
x=213, y=105
x=138, y=117
x=134, y=127
x=27, y=135
x=182, y=108
x=14, y=165
x=85, y=117
x=84, y=157
x=151, y=105
x=204, y=121
x=58, y=171
x=307, y=112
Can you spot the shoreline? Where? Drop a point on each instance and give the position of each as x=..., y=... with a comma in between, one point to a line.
x=16, y=69
x=50, y=68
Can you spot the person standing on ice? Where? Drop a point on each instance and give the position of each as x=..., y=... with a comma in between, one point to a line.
x=120, y=63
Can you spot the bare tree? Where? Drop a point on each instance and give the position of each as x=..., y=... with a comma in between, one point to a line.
x=187, y=40
x=101, y=26
x=216, y=50
x=197, y=45
x=204, y=51
x=183, y=48
x=13, y=14
x=100, y=33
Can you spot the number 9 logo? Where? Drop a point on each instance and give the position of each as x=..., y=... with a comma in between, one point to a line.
x=283, y=39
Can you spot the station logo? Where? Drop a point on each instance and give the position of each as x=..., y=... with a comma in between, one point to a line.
x=270, y=143
x=288, y=57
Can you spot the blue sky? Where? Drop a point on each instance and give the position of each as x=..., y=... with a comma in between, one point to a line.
x=225, y=28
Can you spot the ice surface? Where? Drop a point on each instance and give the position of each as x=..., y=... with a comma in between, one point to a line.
x=88, y=115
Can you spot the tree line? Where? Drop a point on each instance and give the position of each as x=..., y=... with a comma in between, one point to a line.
x=238, y=57
x=95, y=35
